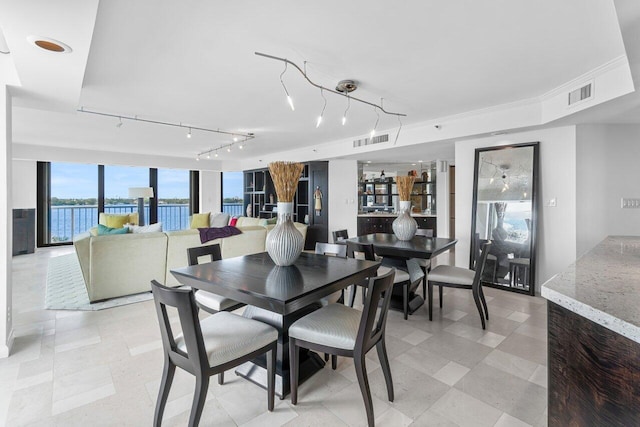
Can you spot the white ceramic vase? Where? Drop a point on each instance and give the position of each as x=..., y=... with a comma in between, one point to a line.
x=404, y=226
x=284, y=243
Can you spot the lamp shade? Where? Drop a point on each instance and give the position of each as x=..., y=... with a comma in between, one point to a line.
x=138, y=192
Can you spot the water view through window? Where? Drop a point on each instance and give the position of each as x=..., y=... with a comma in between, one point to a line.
x=173, y=199
x=232, y=193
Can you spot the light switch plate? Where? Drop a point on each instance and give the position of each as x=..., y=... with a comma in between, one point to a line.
x=628, y=203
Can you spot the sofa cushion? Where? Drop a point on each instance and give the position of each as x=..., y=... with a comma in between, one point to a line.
x=103, y=230
x=200, y=220
x=151, y=228
x=219, y=219
x=117, y=220
x=246, y=221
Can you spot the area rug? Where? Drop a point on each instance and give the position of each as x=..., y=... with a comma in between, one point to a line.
x=66, y=289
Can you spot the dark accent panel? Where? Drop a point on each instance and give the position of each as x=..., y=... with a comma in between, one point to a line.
x=153, y=201
x=384, y=224
x=43, y=173
x=594, y=373
x=194, y=192
x=100, y=188
x=318, y=230
x=24, y=225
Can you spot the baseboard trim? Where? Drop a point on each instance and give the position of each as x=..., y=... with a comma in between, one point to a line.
x=5, y=348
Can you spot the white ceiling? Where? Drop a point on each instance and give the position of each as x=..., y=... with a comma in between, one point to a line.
x=193, y=62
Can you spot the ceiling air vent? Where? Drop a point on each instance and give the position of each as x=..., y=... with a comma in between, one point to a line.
x=580, y=94
x=368, y=141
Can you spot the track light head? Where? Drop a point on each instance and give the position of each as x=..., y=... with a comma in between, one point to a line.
x=189, y=133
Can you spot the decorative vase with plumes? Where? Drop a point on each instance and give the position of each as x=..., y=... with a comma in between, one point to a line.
x=284, y=243
x=404, y=226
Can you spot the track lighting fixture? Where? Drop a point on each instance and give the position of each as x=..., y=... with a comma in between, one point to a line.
x=235, y=138
x=323, y=108
x=228, y=149
x=208, y=155
x=119, y=124
x=241, y=146
x=245, y=136
x=198, y=158
x=373, y=131
x=344, y=116
x=289, y=100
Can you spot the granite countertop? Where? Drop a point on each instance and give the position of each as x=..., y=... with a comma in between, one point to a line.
x=394, y=215
x=603, y=286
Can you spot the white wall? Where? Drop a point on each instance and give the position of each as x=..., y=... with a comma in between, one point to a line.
x=24, y=184
x=210, y=195
x=607, y=171
x=343, y=195
x=6, y=230
x=556, y=240
x=442, y=198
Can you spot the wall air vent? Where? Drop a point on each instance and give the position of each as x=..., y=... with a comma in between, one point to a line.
x=368, y=141
x=580, y=94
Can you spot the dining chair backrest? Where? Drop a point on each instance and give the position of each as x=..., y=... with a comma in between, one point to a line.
x=195, y=359
x=372, y=327
x=480, y=264
x=331, y=249
x=340, y=235
x=354, y=249
x=427, y=232
x=199, y=251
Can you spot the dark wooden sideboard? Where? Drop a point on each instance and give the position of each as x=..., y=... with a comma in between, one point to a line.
x=370, y=224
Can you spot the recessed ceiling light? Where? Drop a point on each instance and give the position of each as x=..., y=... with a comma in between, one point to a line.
x=49, y=44
x=368, y=161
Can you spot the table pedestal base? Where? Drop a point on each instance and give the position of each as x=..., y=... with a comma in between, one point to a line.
x=415, y=302
x=256, y=372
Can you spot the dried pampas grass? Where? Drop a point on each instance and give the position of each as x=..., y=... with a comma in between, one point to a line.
x=404, y=185
x=285, y=176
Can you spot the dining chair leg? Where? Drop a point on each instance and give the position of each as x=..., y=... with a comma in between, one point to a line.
x=363, y=382
x=199, y=397
x=221, y=378
x=424, y=286
x=476, y=298
x=386, y=369
x=293, y=370
x=430, y=287
x=334, y=362
x=484, y=302
x=440, y=294
x=326, y=357
x=352, y=295
x=165, y=385
x=271, y=377
x=405, y=300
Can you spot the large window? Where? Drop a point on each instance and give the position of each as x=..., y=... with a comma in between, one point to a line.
x=73, y=200
x=173, y=199
x=232, y=193
x=71, y=196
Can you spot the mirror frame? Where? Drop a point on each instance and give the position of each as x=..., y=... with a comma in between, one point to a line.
x=534, y=213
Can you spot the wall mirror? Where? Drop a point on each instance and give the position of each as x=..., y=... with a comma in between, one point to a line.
x=504, y=211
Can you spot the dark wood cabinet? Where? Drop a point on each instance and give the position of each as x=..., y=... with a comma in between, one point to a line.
x=260, y=194
x=384, y=224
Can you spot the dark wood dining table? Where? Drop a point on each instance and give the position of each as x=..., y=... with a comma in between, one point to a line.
x=395, y=252
x=278, y=296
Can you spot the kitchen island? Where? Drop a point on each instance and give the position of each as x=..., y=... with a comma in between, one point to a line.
x=594, y=337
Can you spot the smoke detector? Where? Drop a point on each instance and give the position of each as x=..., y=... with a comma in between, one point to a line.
x=346, y=86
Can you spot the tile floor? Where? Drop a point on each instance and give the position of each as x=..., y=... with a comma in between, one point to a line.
x=103, y=368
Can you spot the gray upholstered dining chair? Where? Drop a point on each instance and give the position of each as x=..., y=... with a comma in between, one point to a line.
x=425, y=264
x=407, y=279
x=208, y=301
x=208, y=347
x=463, y=278
x=344, y=331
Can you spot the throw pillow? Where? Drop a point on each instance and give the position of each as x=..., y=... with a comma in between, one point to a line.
x=200, y=220
x=219, y=219
x=273, y=220
x=116, y=221
x=233, y=221
x=103, y=230
x=151, y=228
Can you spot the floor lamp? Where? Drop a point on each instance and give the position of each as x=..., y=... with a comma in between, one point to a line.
x=140, y=193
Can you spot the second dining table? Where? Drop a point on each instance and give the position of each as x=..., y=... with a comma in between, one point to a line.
x=395, y=252
x=278, y=296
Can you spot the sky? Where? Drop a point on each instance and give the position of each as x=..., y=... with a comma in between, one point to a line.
x=80, y=181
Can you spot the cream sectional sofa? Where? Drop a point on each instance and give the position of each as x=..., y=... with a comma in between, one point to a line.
x=125, y=264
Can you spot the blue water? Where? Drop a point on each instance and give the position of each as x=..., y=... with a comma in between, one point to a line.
x=68, y=221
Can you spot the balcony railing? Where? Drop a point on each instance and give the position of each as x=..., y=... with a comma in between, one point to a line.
x=68, y=221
